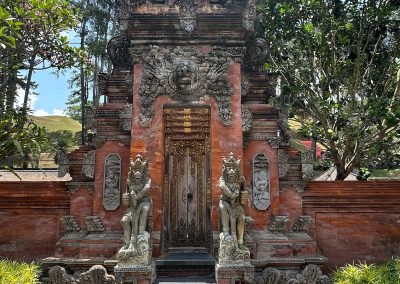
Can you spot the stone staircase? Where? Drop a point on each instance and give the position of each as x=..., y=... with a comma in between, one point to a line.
x=186, y=267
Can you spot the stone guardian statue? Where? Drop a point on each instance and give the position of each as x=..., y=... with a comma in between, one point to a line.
x=137, y=247
x=231, y=212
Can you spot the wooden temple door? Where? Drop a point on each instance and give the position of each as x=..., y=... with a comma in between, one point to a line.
x=187, y=186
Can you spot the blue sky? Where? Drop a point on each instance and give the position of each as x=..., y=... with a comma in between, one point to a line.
x=52, y=93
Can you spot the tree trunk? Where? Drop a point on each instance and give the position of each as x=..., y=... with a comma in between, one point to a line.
x=28, y=84
x=342, y=173
x=82, y=82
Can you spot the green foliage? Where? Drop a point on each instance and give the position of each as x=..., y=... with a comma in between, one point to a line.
x=386, y=273
x=339, y=61
x=33, y=37
x=20, y=141
x=12, y=272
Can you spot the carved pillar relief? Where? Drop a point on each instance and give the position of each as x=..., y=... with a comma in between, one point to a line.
x=261, y=188
x=112, y=182
x=283, y=160
x=307, y=165
x=247, y=119
x=88, y=163
x=125, y=118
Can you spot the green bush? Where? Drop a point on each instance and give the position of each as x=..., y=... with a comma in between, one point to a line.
x=386, y=273
x=12, y=272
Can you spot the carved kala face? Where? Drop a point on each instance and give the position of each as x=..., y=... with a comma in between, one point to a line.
x=184, y=76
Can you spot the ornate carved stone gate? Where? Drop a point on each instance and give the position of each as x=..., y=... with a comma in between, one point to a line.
x=187, y=184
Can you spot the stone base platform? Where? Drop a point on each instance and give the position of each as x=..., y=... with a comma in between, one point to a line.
x=234, y=272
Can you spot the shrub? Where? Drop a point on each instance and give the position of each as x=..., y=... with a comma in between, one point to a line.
x=386, y=273
x=12, y=272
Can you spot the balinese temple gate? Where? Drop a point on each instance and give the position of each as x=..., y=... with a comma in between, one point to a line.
x=187, y=170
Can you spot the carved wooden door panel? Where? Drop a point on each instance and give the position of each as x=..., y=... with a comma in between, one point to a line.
x=187, y=195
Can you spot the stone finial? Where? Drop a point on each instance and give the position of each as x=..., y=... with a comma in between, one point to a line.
x=70, y=224
x=301, y=224
x=278, y=224
x=94, y=224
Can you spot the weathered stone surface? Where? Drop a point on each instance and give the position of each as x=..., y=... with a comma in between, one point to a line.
x=88, y=164
x=112, y=182
x=97, y=274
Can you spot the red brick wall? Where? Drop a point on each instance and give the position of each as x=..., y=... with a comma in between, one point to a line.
x=30, y=214
x=355, y=221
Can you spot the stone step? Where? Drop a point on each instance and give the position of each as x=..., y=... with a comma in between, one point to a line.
x=186, y=265
x=182, y=280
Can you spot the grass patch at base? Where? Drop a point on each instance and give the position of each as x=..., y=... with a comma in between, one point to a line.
x=12, y=272
x=386, y=273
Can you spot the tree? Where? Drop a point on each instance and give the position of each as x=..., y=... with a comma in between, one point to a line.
x=340, y=62
x=97, y=26
x=33, y=38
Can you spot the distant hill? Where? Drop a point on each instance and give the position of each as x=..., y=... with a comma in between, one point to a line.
x=57, y=122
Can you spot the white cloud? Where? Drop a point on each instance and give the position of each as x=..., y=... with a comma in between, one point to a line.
x=20, y=99
x=57, y=111
x=40, y=112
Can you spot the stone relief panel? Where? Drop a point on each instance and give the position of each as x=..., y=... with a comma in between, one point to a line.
x=112, y=182
x=125, y=118
x=185, y=74
x=261, y=188
x=88, y=163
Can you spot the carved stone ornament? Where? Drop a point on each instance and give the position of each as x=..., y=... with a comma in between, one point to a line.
x=187, y=15
x=185, y=74
x=118, y=52
x=249, y=16
x=231, y=212
x=125, y=118
x=261, y=188
x=101, y=84
x=94, y=224
x=63, y=162
x=301, y=224
x=245, y=86
x=298, y=185
x=112, y=182
x=247, y=119
x=307, y=165
x=88, y=163
x=137, y=244
x=283, y=163
x=97, y=274
x=311, y=274
x=278, y=224
x=89, y=129
x=256, y=54
x=283, y=126
x=70, y=224
x=273, y=141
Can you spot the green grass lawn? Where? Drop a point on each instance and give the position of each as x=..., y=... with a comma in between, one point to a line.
x=55, y=123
